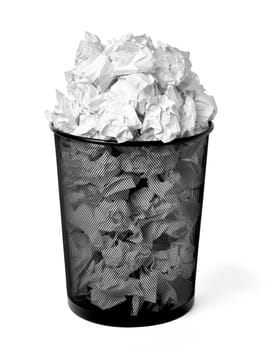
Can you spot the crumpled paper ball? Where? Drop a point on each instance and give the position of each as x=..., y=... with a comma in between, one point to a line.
x=128, y=89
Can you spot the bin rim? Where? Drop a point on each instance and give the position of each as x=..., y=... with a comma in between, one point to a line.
x=133, y=143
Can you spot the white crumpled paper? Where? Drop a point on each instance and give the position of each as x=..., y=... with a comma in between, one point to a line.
x=206, y=109
x=137, y=89
x=162, y=121
x=90, y=47
x=172, y=65
x=128, y=90
x=131, y=54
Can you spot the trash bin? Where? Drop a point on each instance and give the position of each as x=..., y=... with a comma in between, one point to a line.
x=131, y=216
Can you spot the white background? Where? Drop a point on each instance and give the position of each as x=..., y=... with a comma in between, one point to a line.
x=231, y=45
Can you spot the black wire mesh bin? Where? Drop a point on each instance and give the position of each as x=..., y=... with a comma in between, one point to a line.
x=131, y=216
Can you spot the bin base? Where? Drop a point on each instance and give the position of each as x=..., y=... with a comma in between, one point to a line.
x=106, y=318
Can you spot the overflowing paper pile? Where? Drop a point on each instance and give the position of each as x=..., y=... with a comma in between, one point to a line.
x=129, y=89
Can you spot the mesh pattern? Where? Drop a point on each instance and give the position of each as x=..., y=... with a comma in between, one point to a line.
x=131, y=219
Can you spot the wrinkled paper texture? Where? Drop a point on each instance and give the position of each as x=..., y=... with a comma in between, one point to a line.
x=128, y=89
